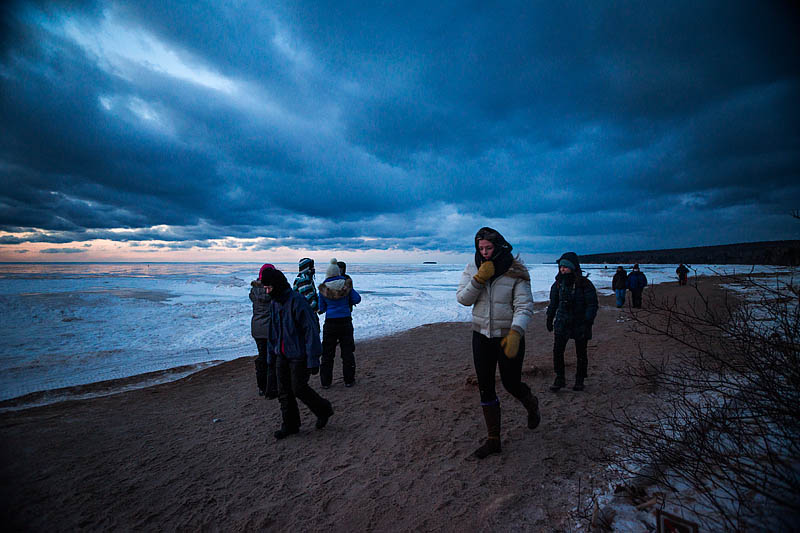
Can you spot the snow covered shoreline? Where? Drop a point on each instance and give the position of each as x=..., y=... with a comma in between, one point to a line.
x=71, y=325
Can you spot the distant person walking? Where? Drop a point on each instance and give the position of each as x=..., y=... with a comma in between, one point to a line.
x=570, y=315
x=637, y=281
x=620, y=283
x=304, y=283
x=259, y=328
x=683, y=274
x=498, y=287
x=336, y=300
x=295, y=348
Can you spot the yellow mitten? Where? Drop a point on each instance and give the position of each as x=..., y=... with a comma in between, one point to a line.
x=510, y=344
x=485, y=272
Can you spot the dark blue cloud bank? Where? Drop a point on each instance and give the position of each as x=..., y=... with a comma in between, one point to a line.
x=580, y=125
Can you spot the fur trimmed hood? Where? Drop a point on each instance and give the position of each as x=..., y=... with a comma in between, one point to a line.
x=336, y=288
x=518, y=270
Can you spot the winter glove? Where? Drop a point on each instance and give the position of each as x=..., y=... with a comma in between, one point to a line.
x=314, y=370
x=549, y=323
x=485, y=272
x=510, y=344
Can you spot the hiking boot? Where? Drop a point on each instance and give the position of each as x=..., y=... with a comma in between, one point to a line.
x=558, y=384
x=578, y=384
x=491, y=446
x=491, y=415
x=323, y=420
x=348, y=385
x=531, y=404
x=285, y=432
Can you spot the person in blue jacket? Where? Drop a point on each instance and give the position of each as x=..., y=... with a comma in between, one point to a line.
x=295, y=348
x=637, y=281
x=336, y=299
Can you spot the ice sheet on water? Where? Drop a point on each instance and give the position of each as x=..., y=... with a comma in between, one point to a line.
x=70, y=324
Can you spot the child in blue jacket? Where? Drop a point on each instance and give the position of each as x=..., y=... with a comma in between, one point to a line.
x=336, y=299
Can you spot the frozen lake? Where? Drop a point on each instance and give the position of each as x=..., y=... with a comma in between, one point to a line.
x=68, y=324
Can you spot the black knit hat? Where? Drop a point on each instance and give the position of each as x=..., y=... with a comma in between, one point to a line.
x=275, y=279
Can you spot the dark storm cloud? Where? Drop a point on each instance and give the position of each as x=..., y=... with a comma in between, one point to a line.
x=362, y=127
x=63, y=251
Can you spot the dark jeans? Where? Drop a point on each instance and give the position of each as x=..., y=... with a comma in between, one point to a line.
x=293, y=385
x=620, y=293
x=337, y=331
x=559, y=344
x=265, y=373
x=682, y=279
x=636, y=296
x=487, y=354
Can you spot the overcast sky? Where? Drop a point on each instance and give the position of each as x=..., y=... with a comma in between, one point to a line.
x=161, y=130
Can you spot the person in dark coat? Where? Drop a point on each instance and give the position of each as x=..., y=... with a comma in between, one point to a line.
x=683, y=274
x=295, y=348
x=259, y=328
x=336, y=299
x=570, y=315
x=620, y=284
x=637, y=281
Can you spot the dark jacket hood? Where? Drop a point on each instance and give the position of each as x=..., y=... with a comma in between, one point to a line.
x=280, y=287
x=502, y=257
x=576, y=276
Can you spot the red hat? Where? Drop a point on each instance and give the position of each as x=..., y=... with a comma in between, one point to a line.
x=266, y=266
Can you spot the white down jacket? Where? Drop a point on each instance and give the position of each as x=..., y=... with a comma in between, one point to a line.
x=499, y=305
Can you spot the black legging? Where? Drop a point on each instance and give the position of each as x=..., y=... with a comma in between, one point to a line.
x=487, y=354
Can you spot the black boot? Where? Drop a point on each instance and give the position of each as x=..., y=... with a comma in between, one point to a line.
x=491, y=414
x=285, y=432
x=322, y=420
x=578, y=383
x=559, y=383
x=531, y=404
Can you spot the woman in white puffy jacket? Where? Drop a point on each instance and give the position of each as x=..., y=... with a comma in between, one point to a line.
x=498, y=287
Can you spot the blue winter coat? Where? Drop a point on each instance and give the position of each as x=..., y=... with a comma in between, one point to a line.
x=573, y=308
x=294, y=329
x=637, y=280
x=337, y=297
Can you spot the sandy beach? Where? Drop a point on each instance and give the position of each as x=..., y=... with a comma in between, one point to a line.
x=198, y=453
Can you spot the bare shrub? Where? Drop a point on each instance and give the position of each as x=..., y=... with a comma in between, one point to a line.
x=728, y=425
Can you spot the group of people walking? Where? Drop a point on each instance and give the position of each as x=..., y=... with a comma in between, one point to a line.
x=497, y=286
x=285, y=326
x=635, y=281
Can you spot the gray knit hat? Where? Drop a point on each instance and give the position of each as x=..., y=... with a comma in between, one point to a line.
x=333, y=269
